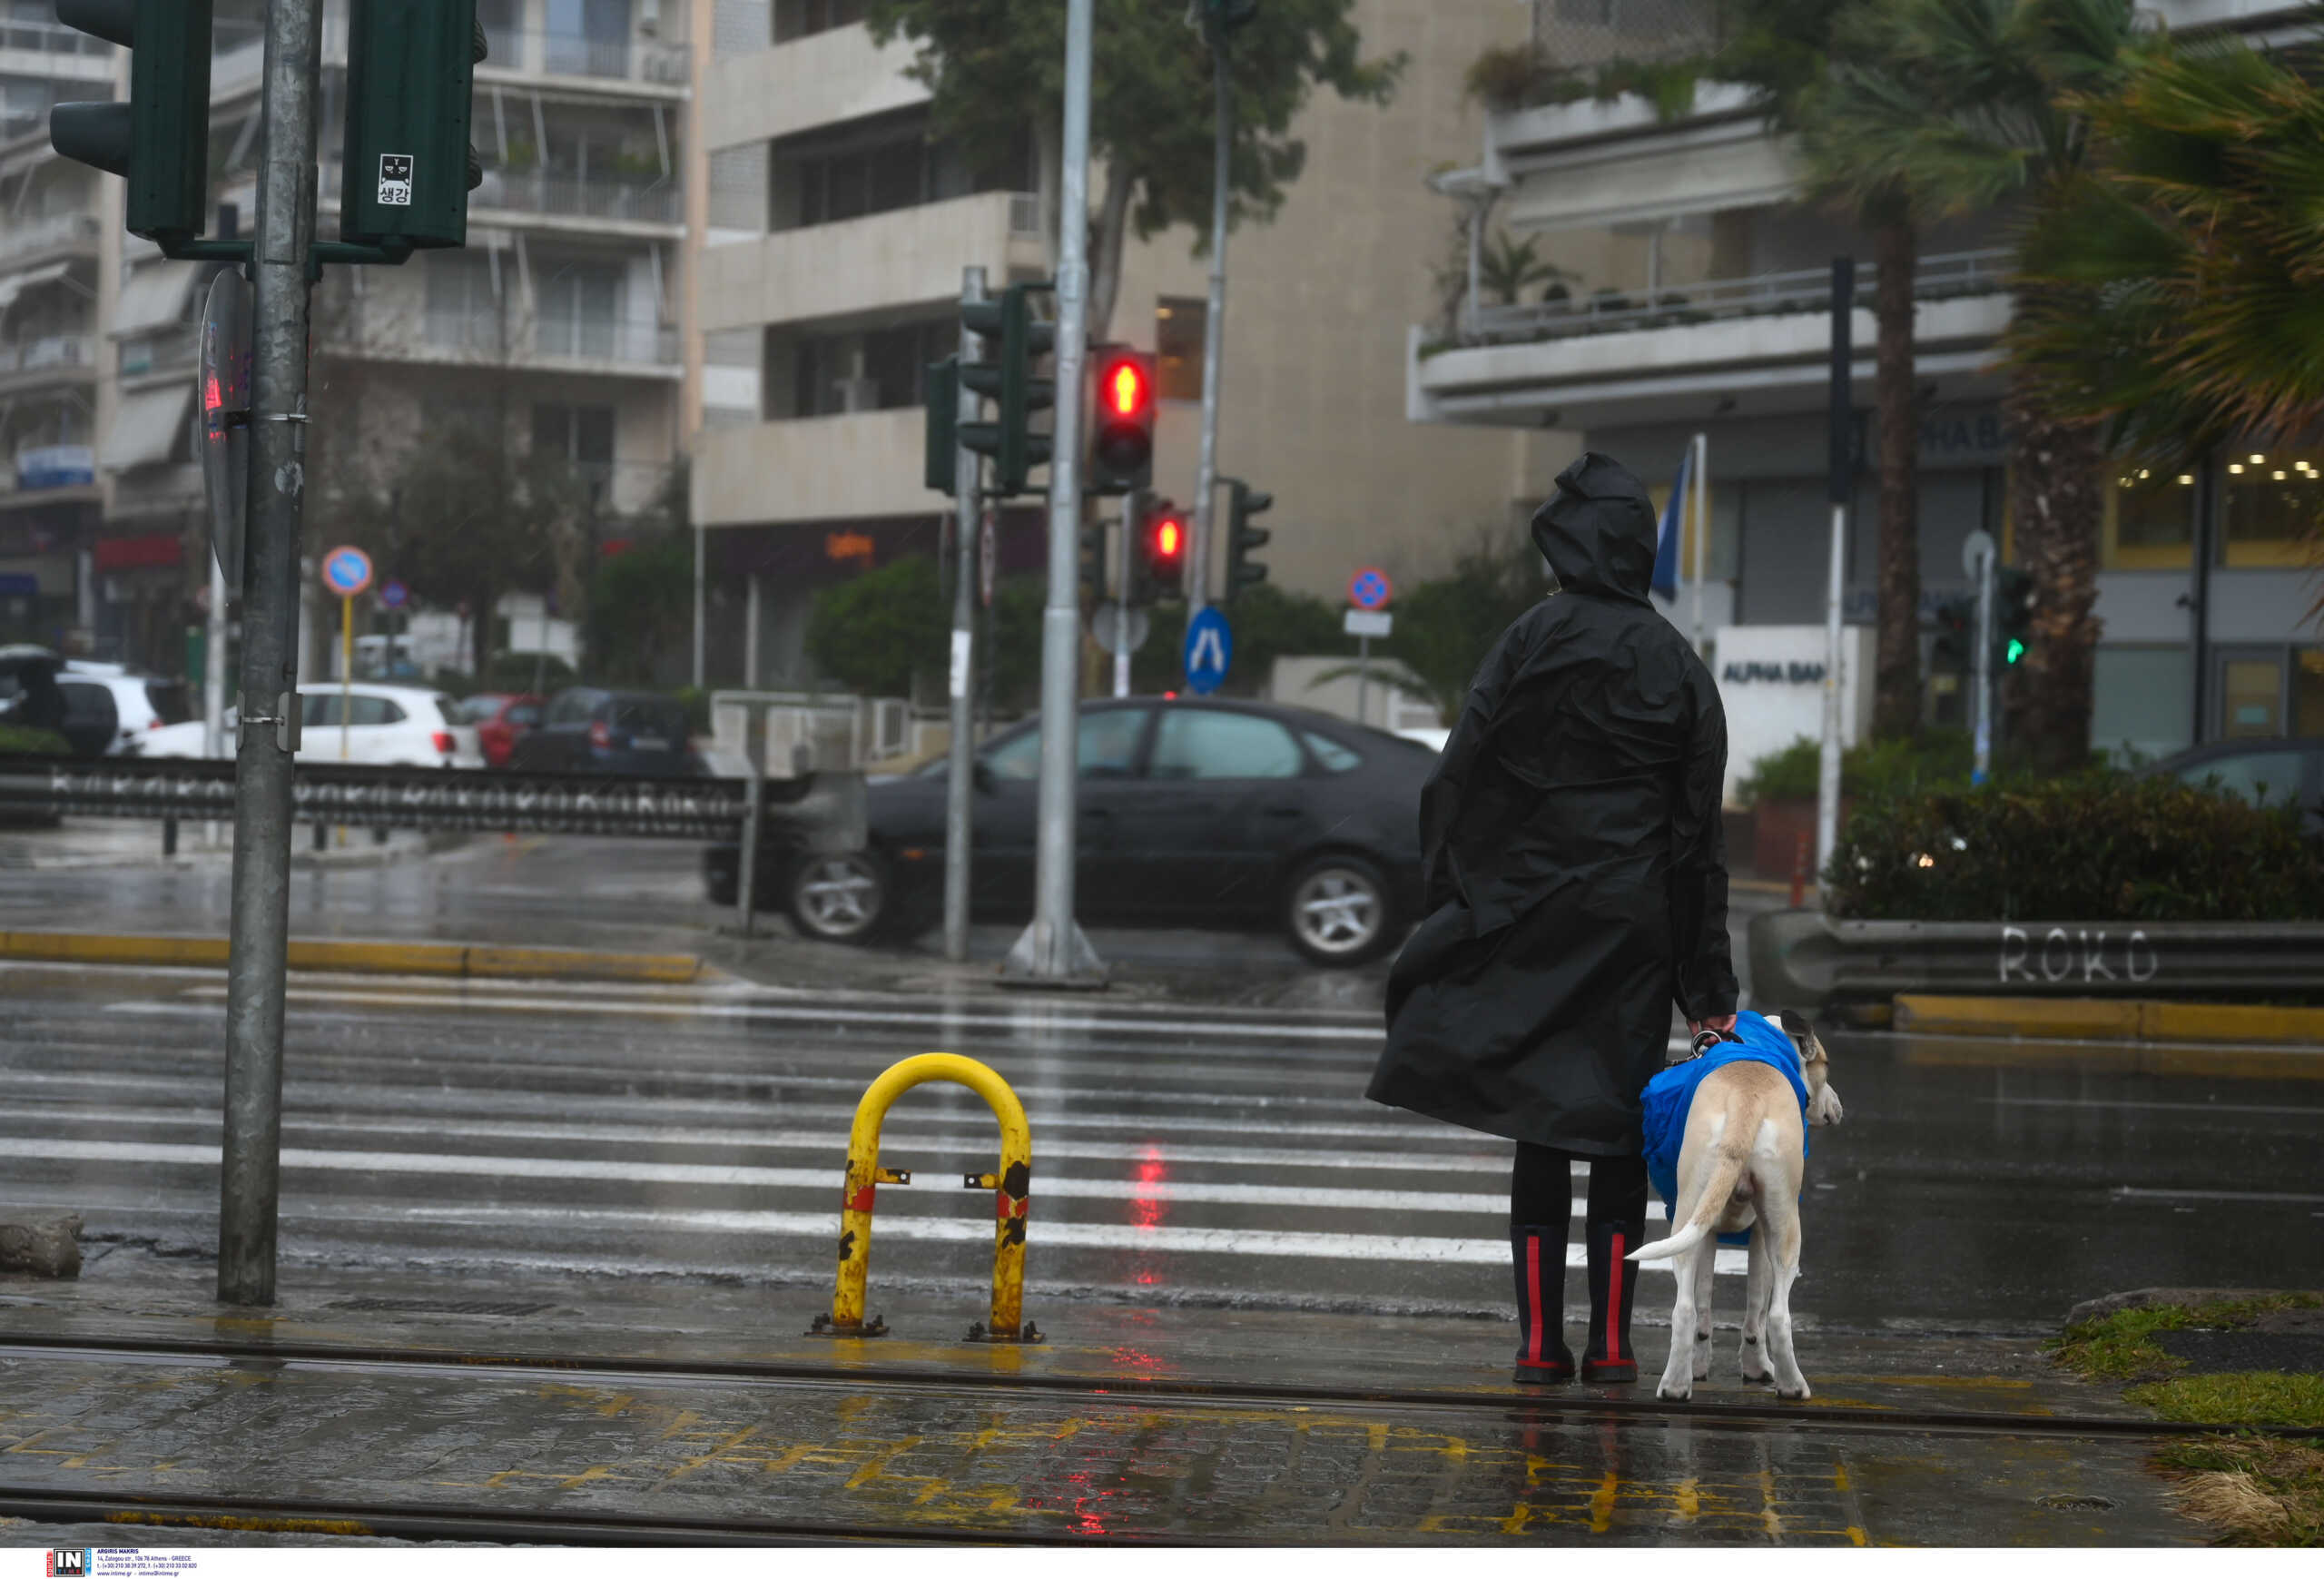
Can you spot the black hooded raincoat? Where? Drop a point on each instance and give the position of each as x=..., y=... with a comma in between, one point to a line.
x=1576, y=869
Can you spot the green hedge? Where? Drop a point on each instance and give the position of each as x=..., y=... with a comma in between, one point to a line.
x=1939, y=759
x=2080, y=849
x=15, y=742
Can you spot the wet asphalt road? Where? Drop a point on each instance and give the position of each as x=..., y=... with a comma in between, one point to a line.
x=1184, y=1152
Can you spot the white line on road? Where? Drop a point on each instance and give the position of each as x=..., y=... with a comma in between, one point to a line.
x=2132, y=1192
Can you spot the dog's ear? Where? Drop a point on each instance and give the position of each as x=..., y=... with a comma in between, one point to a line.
x=1802, y=1033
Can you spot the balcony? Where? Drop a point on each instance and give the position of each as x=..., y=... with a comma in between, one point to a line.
x=822, y=80
x=865, y=463
x=904, y=257
x=169, y=352
x=35, y=47
x=47, y=359
x=1748, y=346
x=574, y=197
x=569, y=345
x=64, y=233
x=648, y=62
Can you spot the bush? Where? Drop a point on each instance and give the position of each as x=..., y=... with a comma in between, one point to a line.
x=516, y=672
x=19, y=741
x=2079, y=849
x=1940, y=759
x=872, y=633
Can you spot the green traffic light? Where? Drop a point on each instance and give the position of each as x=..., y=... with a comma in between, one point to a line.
x=2016, y=649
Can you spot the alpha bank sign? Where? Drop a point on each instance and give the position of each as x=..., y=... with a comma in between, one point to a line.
x=1771, y=683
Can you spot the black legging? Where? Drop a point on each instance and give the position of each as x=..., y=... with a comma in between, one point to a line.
x=1541, y=1188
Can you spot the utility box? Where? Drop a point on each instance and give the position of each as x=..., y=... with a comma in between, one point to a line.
x=410, y=80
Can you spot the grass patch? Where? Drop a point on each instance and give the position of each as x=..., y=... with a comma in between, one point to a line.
x=2237, y=1399
x=2255, y=1491
x=2120, y=1348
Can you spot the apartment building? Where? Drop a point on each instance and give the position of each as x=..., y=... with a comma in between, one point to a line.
x=836, y=229
x=1701, y=304
x=558, y=325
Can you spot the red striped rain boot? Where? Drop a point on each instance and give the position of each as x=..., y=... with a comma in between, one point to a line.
x=1539, y=1254
x=1608, y=1357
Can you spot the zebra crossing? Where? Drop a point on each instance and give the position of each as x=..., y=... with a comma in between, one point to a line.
x=1180, y=1154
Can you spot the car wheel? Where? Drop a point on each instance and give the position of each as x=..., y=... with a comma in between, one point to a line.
x=839, y=899
x=1336, y=910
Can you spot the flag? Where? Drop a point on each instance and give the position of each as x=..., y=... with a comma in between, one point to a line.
x=1666, y=554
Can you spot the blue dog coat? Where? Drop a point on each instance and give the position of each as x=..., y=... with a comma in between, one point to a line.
x=1671, y=1095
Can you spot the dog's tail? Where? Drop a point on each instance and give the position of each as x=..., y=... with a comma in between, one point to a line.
x=1726, y=1169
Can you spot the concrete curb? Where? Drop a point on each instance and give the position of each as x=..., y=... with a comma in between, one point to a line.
x=386, y=959
x=2110, y=1019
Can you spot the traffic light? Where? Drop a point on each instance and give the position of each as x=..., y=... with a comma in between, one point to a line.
x=411, y=78
x=1159, y=567
x=2012, y=614
x=1015, y=339
x=1244, y=501
x=1121, y=438
x=939, y=461
x=160, y=140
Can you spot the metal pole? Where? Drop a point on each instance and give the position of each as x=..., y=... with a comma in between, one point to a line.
x=751, y=635
x=1362, y=677
x=959, y=785
x=1984, y=667
x=249, y=1172
x=1702, y=530
x=1213, y=338
x=1121, y=603
x=746, y=877
x=1052, y=951
x=701, y=542
x=1843, y=483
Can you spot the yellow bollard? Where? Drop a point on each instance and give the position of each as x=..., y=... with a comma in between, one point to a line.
x=1012, y=1187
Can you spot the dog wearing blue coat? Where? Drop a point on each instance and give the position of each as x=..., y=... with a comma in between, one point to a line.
x=1737, y=1114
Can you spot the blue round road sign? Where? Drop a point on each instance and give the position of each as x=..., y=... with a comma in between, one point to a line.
x=1369, y=589
x=347, y=571
x=1210, y=644
x=394, y=594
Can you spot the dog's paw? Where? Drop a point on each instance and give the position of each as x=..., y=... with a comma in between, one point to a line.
x=1702, y=1362
x=1799, y=1394
x=1674, y=1392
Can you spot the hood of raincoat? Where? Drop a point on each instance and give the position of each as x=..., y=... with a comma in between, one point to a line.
x=1598, y=531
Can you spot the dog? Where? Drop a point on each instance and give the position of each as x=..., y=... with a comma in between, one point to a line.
x=1739, y=1168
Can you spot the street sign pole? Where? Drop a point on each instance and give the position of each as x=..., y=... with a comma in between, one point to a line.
x=1051, y=952
x=1121, y=601
x=1983, y=552
x=1843, y=484
x=1213, y=334
x=1362, y=677
x=249, y=1172
x=959, y=783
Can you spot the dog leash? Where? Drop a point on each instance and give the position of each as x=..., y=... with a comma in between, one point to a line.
x=1705, y=1039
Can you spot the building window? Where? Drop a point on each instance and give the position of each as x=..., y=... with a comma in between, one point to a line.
x=588, y=38
x=1180, y=324
x=880, y=165
x=863, y=370
x=2142, y=701
x=580, y=311
x=799, y=18
x=581, y=435
x=462, y=311
x=2150, y=520
x=2269, y=510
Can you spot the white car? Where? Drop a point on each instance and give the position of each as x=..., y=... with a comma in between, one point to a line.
x=384, y=726
x=110, y=710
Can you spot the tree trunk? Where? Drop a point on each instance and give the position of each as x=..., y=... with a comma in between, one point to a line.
x=2055, y=512
x=1897, y=696
x=1105, y=255
x=1048, y=147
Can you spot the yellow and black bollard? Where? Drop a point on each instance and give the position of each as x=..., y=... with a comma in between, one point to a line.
x=1012, y=1187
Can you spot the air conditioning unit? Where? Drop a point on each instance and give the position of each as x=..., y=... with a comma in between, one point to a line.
x=891, y=727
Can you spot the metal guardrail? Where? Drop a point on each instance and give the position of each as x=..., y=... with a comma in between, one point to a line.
x=1805, y=960
x=1760, y=295
x=823, y=812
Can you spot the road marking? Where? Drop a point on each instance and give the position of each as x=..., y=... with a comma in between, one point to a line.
x=2132, y=1192
x=2103, y=1102
x=629, y=1171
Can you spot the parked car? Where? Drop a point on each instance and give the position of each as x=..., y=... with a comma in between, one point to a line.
x=110, y=710
x=2277, y=772
x=1193, y=812
x=586, y=730
x=386, y=726
x=29, y=698
x=500, y=720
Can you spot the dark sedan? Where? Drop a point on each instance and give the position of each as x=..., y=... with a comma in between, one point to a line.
x=2275, y=771
x=1192, y=813
x=586, y=730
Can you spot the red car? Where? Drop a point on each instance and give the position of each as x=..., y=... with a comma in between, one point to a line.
x=500, y=720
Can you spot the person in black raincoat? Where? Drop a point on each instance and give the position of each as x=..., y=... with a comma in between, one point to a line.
x=1576, y=877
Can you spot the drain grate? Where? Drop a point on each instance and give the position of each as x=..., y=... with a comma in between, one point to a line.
x=2064, y=1502
x=440, y=1306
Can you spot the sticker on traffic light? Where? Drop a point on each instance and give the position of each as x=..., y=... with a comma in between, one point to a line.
x=1121, y=442
x=410, y=84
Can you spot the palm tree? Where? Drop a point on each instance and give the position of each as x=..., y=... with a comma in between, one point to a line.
x=1969, y=109
x=1813, y=63
x=2199, y=238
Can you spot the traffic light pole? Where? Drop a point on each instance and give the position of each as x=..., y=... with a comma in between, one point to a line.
x=1051, y=952
x=1126, y=537
x=250, y=1176
x=1984, y=665
x=1214, y=337
x=960, y=786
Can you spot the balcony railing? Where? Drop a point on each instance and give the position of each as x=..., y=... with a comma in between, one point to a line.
x=562, y=54
x=163, y=352
x=574, y=197
x=490, y=338
x=48, y=351
x=39, y=37
x=22, y=239
x=1936, y=277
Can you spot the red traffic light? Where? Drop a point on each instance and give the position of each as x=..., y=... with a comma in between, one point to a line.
x=1169, y=538
x=1125, y=388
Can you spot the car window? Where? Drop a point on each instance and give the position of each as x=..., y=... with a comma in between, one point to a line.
x=169, y=702
x=319, y=709
x=370, y=712
x=649, y=716
x=1199, y=744
x=475, y=710
x=1335, y=758
x=88, y=706
x=572, y=708
x=524, y=716
x=1107, y=747
x=449, y=710
x=2264, y=777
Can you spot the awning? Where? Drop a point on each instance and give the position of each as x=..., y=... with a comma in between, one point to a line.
x=154, y=296
x=13, y=285
x=147, y=427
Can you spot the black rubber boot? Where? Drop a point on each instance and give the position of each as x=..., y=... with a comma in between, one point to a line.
x=1537, y=1254
x=1612, y=1287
